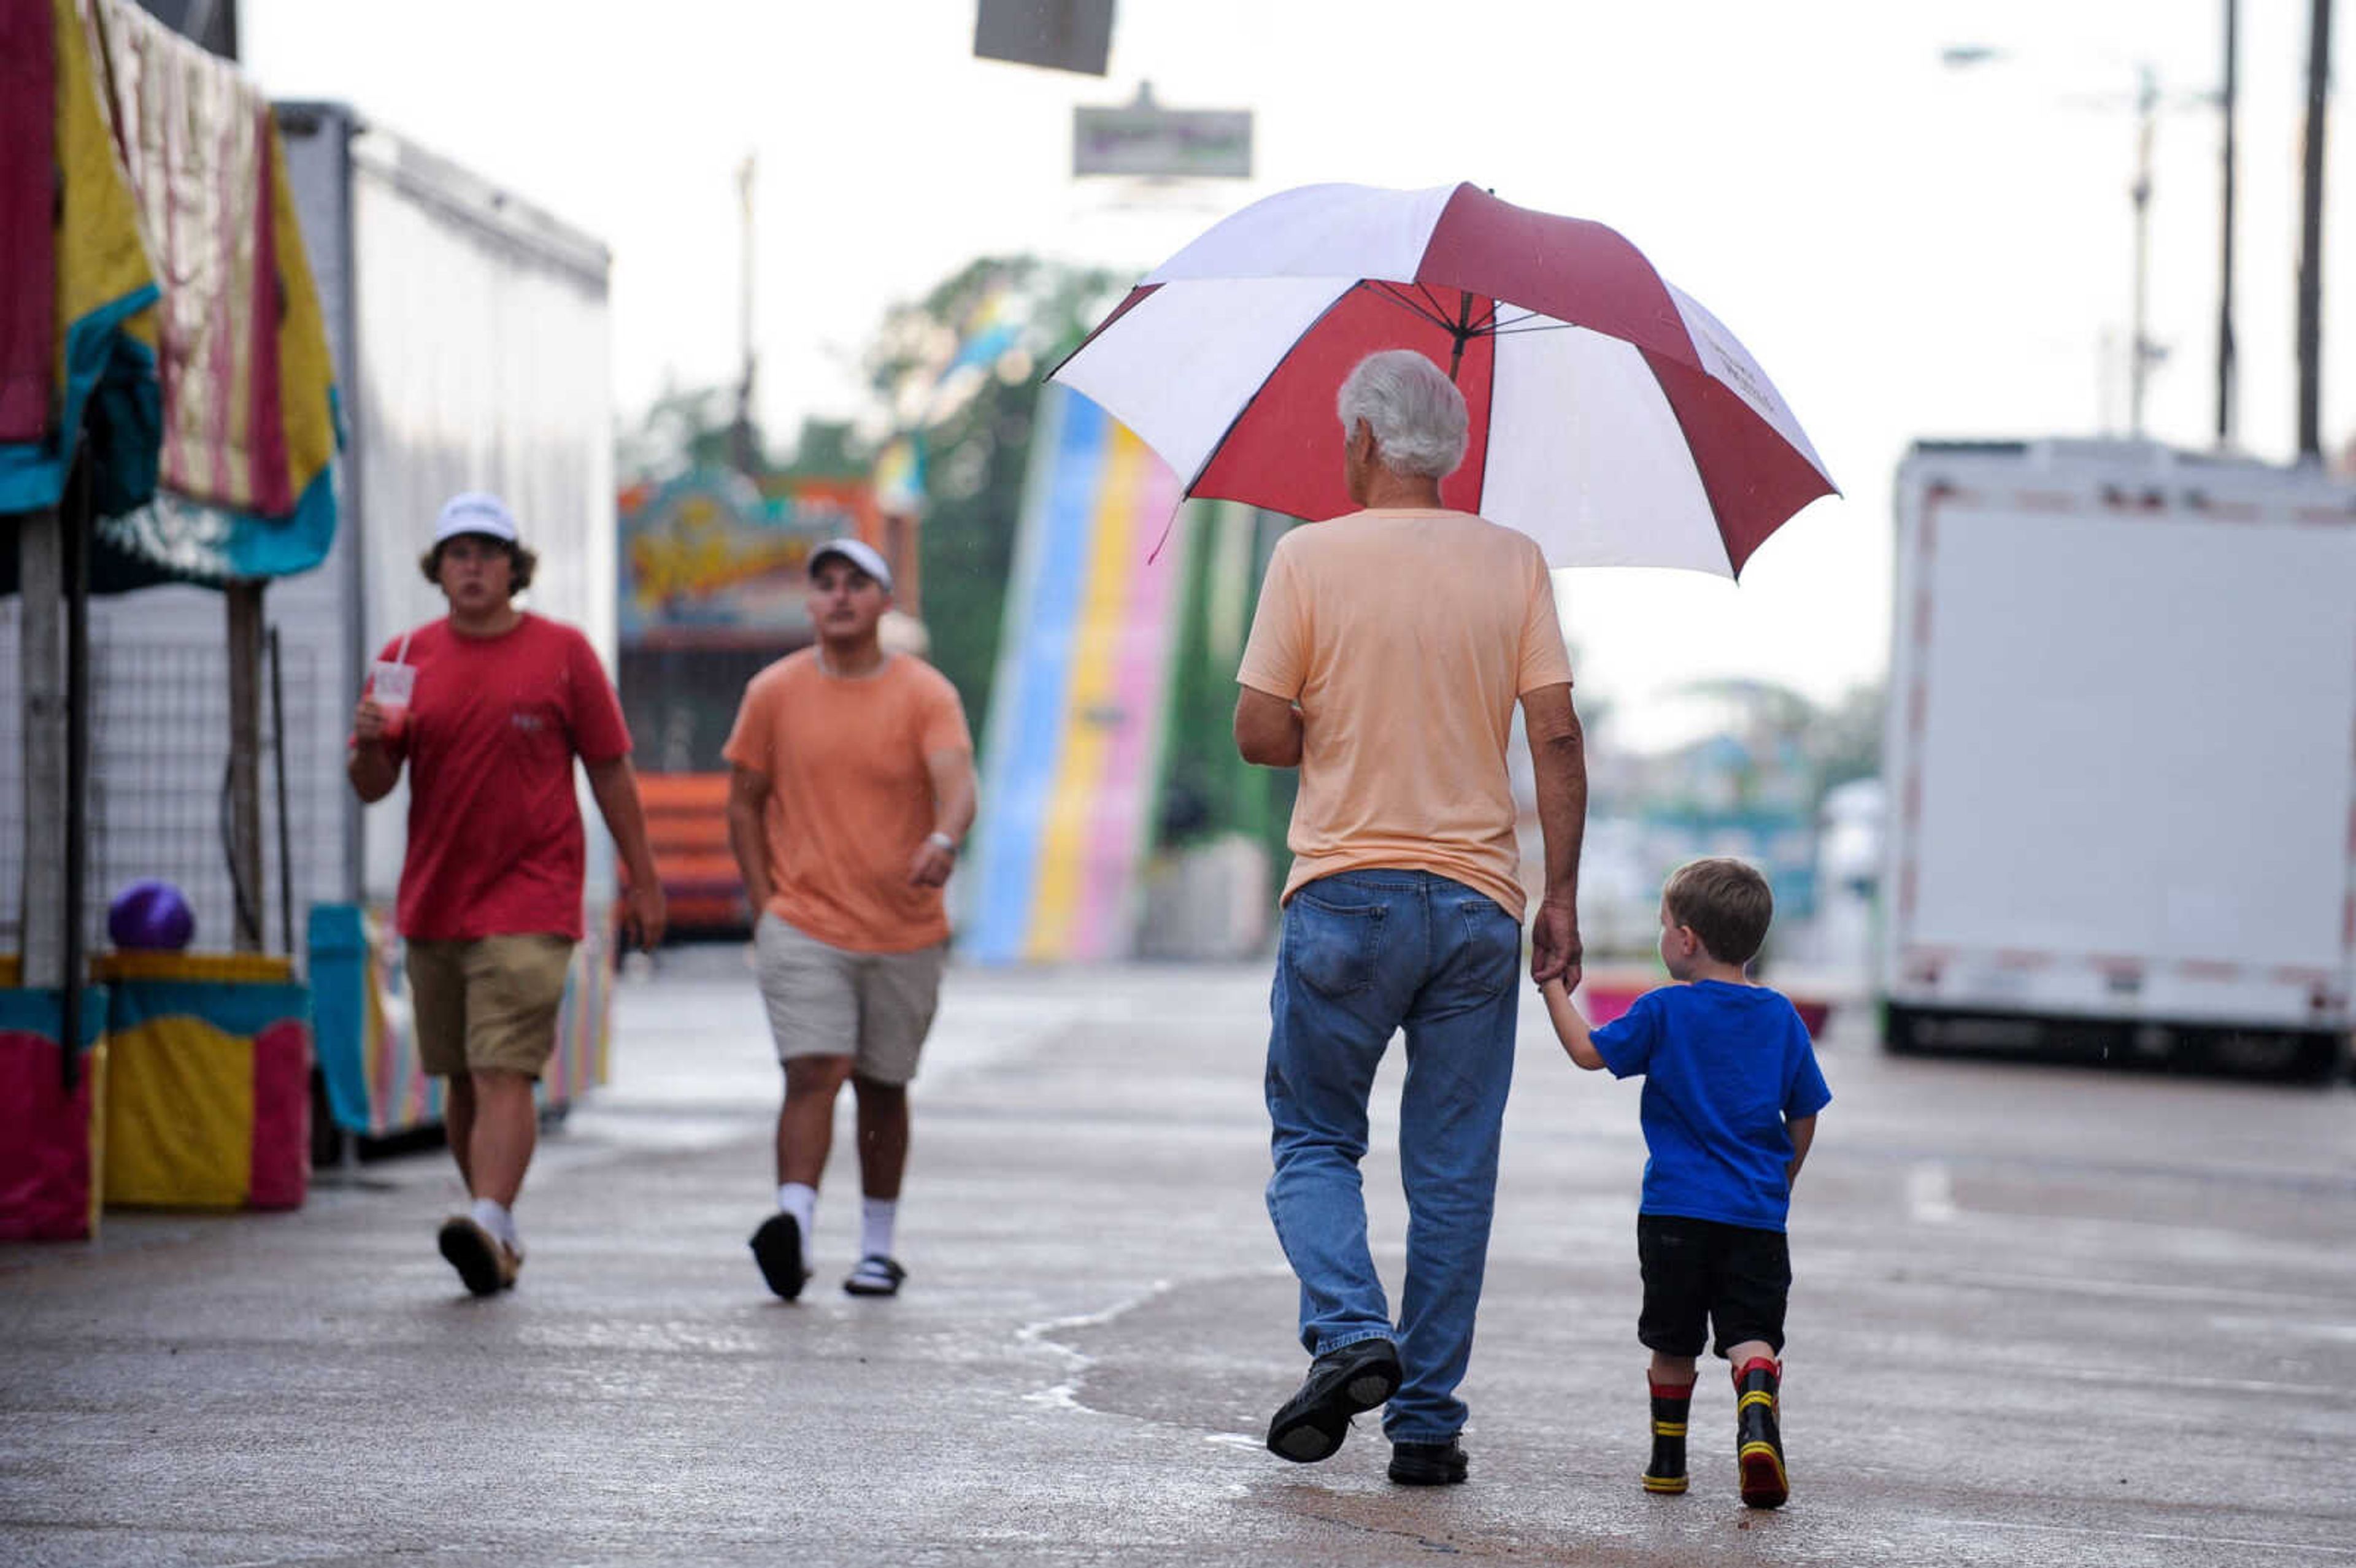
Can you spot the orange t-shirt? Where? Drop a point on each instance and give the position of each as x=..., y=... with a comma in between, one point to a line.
x=850, y=799
x=1406, y=637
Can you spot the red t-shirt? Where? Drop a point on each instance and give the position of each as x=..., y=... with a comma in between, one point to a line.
x=495, y=845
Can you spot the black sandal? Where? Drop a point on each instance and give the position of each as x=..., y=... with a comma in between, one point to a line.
x=876, y=1275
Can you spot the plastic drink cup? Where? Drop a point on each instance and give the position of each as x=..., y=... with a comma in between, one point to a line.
x=389, y=687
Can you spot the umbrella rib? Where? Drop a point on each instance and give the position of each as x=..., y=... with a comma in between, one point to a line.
x=1399, y=297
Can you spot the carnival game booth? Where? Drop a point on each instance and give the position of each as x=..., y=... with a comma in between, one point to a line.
x=167, y=430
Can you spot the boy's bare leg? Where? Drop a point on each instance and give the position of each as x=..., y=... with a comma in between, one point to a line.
x=459, y=1125
x=505, y=1130
x=806, y=1120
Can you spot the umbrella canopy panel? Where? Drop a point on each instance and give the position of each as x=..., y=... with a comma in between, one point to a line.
x=1615, y=420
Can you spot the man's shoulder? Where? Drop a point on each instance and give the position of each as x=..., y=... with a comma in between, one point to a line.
x=781, y=675
x=922, y=676
x=537, y=634
x=1358, y=533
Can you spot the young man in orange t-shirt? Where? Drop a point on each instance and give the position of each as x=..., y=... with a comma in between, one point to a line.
x=1387, y=656
x=850, y=788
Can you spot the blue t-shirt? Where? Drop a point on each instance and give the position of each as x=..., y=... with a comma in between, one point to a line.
x=1723, y=1065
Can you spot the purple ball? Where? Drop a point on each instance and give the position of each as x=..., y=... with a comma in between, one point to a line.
x=150, y=915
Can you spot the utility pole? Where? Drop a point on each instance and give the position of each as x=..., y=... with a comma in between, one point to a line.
x=2310, y=252
x=743, y=446
x=2225, y=350
x=2141, y=353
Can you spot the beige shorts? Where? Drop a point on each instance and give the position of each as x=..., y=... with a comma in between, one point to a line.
x=488, y=1005
x=875, y=1008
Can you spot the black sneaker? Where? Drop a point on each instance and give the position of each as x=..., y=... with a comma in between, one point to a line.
x=1428, y=1464
x=777, y=1248
x=485, y=1264
x=1340, y=1385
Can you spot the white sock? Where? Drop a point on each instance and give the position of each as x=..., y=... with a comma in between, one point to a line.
x=499, y=1220
x=875, y=1217
x=799, y=1198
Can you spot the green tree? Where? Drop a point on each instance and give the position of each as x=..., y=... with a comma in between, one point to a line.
x=975, y=427
x=684, y=428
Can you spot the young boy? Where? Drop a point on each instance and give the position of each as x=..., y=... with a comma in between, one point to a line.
x=1732, y=1093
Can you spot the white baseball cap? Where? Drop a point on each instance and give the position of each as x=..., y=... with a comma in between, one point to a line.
x=860, y=553
x=475, y=512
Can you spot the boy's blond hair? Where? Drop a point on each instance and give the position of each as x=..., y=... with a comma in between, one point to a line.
x=1724, y=903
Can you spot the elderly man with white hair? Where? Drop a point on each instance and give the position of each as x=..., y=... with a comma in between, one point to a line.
x=1387, y=654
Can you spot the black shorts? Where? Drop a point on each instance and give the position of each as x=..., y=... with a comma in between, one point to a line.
x=1700, y=1274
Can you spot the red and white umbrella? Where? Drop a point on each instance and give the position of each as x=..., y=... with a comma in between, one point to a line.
x=1613, y=419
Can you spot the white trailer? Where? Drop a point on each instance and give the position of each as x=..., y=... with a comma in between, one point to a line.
x=2122, y=757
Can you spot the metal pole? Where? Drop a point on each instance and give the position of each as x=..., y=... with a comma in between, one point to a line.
x=244, y=820
x=2310, y=252
x=2139, y=350
x=42, y=582
x=741, y=439
x=76, y=520
x=286, y=829
x=2226, y=354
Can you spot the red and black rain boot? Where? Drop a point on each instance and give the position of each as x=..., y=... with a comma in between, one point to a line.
x=1758, y=1437
x=1671, y=1404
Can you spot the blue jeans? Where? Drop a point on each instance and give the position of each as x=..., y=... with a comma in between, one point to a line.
x=1365, y=954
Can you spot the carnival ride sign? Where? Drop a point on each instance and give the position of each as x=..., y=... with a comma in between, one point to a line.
x=712, y=560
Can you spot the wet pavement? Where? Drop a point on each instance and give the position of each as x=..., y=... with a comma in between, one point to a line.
x=2041, y=1316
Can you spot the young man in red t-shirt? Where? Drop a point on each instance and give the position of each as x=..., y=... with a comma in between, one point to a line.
x=487, y=708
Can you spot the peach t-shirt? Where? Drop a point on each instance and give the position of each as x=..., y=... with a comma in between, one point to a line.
x=850, y=799
x=1406, y=637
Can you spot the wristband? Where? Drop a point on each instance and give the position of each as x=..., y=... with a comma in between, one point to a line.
x=941, y=841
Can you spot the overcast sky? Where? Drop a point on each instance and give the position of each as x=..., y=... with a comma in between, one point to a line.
x=1909, y=249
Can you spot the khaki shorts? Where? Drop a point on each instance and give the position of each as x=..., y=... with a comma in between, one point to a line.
x=488, y=1005
x=875, y=1008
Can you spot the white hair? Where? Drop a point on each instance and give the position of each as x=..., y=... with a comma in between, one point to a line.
x=1416, y=413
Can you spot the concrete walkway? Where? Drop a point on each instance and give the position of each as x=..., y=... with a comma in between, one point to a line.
x=2042, y=1317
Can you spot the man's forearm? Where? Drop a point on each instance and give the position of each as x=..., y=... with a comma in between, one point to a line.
x=746, y=843
x=953, y=808
x=1560, y=765
x=614, y=787
x=372, y=771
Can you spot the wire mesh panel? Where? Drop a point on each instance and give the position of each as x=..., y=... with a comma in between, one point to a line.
x=159, y=802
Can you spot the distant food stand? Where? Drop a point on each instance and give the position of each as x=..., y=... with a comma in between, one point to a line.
x=713, y=587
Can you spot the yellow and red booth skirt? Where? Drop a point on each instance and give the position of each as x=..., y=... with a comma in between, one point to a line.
x=208, y=1084
x=52, y=1139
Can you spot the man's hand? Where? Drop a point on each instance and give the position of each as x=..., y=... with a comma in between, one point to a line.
x=369, y=723
x=931, y=865
x=1555, y=949
x=643, y=926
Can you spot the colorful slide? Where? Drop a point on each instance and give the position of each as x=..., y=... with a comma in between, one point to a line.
x=1072, y=759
